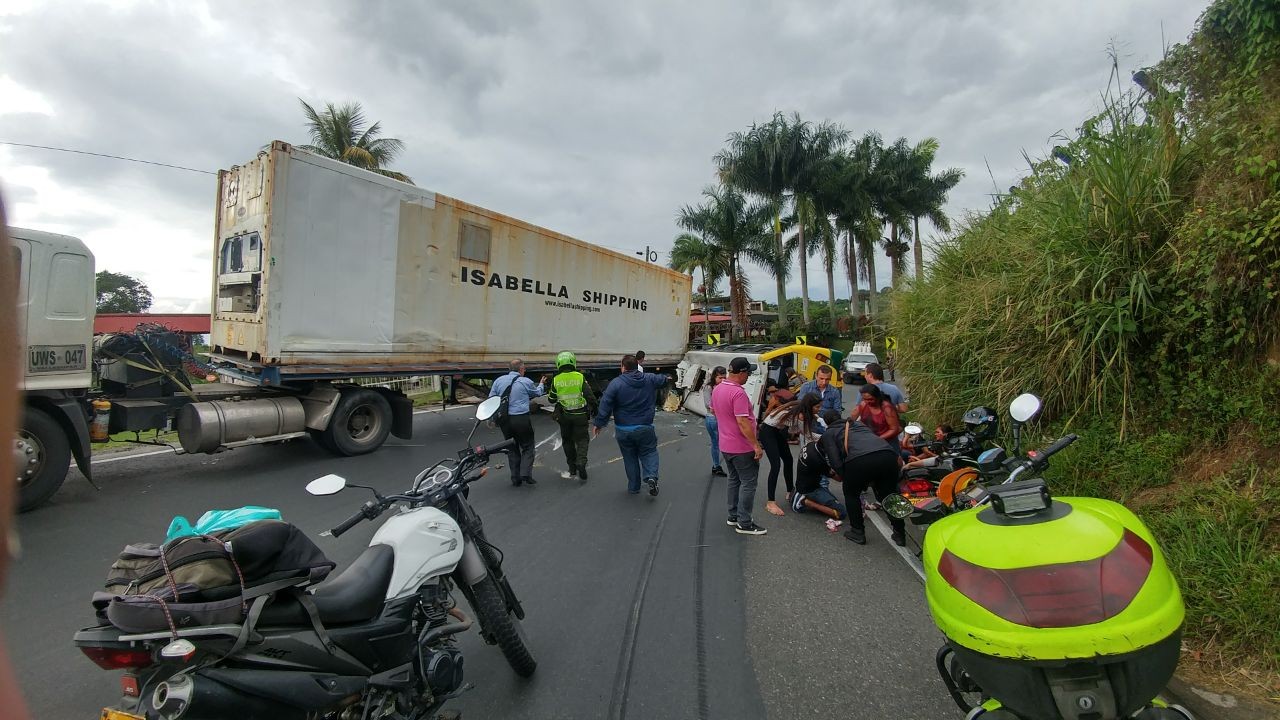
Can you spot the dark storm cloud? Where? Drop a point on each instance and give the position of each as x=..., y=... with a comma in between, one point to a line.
x=598, y=120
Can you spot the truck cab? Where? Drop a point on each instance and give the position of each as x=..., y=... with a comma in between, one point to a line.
x=56, y=304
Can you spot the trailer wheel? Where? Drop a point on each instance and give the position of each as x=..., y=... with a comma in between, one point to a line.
x=43, y=456
x=360, y=423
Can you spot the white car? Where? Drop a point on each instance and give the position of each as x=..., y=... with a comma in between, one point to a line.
x=855, y=363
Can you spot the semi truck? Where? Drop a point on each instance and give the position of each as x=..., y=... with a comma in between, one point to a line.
x=324, y=274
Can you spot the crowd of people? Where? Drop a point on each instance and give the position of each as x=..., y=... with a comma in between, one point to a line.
x=860, y=450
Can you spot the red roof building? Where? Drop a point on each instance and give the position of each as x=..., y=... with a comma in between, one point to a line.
x=194, y=324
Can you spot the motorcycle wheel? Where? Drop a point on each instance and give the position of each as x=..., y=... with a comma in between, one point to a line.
x=504, y=628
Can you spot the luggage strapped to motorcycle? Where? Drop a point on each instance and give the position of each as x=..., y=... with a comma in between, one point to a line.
x=263, y=594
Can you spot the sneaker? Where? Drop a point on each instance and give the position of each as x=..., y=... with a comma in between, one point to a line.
x=752, y=529
x=633, y=492
x=530, y=481
x=719, y=471
x=797, y=502
x=899, y=538
x=733, y=521
x=653, y=485
x=857, y=535
x=582, y=472
x=568, y=475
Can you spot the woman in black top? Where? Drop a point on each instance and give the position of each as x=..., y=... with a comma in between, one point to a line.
x=861, y=460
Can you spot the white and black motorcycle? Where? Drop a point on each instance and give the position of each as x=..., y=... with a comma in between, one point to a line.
x=375, y=642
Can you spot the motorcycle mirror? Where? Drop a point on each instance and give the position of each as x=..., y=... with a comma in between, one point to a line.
x=1024, y=407
x=914, y=429
x=327, y=485
x=897, y=506
x=486, y=409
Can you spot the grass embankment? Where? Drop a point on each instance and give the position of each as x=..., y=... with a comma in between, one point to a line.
x=1132, y=280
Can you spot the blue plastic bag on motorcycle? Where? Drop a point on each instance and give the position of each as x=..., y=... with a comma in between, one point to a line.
x=215, y=520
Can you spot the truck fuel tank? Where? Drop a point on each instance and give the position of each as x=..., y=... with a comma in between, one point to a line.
x=206, y=426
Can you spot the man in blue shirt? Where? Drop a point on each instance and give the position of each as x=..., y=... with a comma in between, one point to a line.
x=520, y=390
x=630, y=399
x=821, y=386
x=875, y=376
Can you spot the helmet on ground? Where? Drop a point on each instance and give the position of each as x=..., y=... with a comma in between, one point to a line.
x=566, y=358
x=982, y=422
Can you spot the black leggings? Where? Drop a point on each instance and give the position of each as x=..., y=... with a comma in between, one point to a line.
x=877, y=470
x=779, y=452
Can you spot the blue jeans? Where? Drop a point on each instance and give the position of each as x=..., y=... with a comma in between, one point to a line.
x=714, y=432
x=823, y=496
x=639, y=451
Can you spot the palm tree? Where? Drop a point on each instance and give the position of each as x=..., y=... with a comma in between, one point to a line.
x=896, y=172
x=927, y=194
x=340, y=133
x=692, y=252
x=815, y=148
x=849, y=187
x=825, y=241
x=762, y=161
x=737, y=231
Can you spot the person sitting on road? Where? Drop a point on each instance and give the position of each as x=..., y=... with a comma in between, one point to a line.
x=878, y=413
x=821, y=384
x=812, y=481
x=709, y=421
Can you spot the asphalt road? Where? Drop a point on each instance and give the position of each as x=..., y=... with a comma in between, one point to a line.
x=638, y=607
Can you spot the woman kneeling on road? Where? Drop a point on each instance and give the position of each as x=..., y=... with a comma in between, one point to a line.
x=861, y=459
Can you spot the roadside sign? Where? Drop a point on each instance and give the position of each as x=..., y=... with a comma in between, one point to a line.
x=891, y=343
x=802, y=339
x=713, y=338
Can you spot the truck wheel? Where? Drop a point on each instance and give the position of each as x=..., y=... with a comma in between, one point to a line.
x=360, y=423
x=43, y=456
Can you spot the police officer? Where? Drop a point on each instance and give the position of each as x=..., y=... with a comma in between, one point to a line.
x=574, y=405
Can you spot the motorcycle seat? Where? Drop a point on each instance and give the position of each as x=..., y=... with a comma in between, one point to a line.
x=355, y=595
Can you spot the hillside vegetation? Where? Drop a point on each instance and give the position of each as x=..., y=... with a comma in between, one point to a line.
x=1131, y=281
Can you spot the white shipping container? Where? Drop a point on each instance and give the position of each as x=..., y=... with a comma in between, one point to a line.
x=322, y=265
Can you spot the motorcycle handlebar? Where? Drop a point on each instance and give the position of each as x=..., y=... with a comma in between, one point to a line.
x=498, y=447
x=347, y=524
x=1057, y=445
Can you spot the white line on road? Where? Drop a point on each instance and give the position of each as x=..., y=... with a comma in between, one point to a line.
x=912, y=561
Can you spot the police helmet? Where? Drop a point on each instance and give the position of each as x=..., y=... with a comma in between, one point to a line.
x=566, y=358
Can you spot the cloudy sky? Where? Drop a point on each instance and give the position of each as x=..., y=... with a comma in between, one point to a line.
x=598, y=120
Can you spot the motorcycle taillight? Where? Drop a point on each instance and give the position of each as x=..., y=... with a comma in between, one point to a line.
x=1059, y=595
x=117, y=658
x=917, y=487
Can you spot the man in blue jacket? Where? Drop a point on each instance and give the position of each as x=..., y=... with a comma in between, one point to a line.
x=630, y=399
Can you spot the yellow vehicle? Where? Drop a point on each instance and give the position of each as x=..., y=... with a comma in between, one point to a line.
x=771, y=361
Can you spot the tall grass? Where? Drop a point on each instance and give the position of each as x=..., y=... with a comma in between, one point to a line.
x=1053, y=288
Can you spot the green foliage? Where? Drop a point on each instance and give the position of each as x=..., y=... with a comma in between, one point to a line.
x=120, y=293
x=342, y=133
x=1130, y=280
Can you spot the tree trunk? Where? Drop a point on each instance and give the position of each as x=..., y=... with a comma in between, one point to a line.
x=831, y=282
x=706, y=302
x=918, y=252
x=851, y=265
x=871, y=272
x=737, y=307
x=895, y=257
x=804, y=274
x=782, y=284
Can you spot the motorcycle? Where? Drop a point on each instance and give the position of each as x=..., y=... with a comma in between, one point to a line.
x=948, y=480
x=1060, y=608
x=377, y=641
